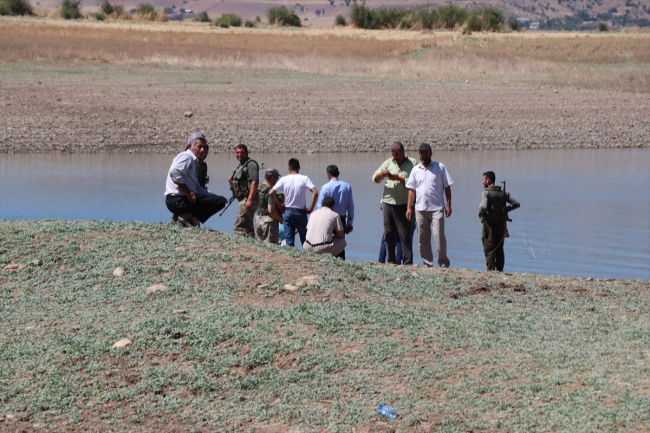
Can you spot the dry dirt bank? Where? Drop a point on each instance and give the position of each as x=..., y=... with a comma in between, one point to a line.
x=95, y=109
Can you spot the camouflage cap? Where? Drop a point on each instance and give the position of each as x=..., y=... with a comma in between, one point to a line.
x=272, y=172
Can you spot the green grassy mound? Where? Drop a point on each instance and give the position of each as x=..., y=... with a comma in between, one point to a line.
x=228, y=346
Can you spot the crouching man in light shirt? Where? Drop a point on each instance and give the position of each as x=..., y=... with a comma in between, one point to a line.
x=431, y=184
x=324, y=224
x=186, y=199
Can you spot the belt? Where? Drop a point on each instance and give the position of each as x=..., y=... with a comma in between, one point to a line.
x=297, y=209
x=318, y=245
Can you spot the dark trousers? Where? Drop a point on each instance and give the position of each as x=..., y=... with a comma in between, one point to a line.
x=382, y=250
x=396, y=225
x=492, y=238
x=295, y=219
x=203, y=208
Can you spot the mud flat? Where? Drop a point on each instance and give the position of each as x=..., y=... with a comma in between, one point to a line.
x=113, y=111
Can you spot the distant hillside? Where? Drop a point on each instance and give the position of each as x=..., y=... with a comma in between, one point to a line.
x=553, y=14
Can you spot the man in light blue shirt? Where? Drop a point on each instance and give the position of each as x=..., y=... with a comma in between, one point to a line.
x=341, y=192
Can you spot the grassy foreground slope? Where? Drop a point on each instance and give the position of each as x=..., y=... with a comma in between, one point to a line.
x=452, y=350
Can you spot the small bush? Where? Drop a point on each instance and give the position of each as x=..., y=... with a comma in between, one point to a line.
x=70, y=9
x=258, y=19
x=16, y=7
x=99, y=16
x=249, y=23
x=450, y=16
x=513, y=24
x=106, y=7
x=145, y=9
x=227, y=20
x=202, y=17
x=340, y=21
x=382, y=18
x=487, y=19
x=146, y=12
x=602, y=27
x=282, y=17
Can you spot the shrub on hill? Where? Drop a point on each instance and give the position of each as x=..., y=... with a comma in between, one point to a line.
x=16, y=7
x=450, y=17
x=146, y=12
x=486, y=19
x=282, y=17
x=249, y=23
x=145, y=8
x=106, y=7
x=340, y=21
x=202, y=17
x=70, y=9
x=420, y=18
x=227, y=20
x=602, y=27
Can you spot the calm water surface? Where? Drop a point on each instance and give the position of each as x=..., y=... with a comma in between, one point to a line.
x=586, y=212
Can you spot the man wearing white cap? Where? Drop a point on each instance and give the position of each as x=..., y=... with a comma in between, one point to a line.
x=189, y=202
x=431, y=184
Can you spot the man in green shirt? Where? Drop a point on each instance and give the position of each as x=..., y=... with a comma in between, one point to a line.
x=268, y=218
x=243, y=184
x=396, y=171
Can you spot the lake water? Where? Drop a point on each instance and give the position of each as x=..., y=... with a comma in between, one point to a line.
x=585, y=212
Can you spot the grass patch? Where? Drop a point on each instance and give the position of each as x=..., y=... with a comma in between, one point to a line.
x=451, y=350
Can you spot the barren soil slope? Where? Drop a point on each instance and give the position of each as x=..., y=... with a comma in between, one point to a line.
x=143, y=111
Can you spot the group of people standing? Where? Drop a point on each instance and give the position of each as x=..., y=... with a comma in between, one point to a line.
x=416, y=195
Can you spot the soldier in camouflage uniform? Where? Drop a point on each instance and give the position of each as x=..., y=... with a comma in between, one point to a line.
x=493, y=213
x=243, y=184
x=268, y=218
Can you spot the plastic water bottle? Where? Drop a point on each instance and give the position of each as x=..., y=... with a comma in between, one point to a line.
x=387, y=411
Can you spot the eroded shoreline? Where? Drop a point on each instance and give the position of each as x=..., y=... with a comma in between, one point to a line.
x=98, y=110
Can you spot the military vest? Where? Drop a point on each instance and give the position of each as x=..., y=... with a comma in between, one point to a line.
x=494, y=213
x=239, y=184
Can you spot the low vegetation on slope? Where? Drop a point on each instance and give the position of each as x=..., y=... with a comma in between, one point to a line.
x=235, y=339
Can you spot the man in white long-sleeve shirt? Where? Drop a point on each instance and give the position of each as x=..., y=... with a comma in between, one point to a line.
x=189, y=202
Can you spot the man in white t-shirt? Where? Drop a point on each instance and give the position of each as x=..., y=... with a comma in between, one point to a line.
x=431, y=184
x=294, y=187
x=323, y=226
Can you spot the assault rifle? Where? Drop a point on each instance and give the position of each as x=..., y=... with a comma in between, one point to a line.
x=228, y=205
x=505, y=210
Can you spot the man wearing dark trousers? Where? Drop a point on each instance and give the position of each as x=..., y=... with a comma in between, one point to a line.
x=396, y=171
x=493, y=213
x=189, y=202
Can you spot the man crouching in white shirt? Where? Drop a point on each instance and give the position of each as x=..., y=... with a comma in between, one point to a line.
x=189, y=202
x=323, y=225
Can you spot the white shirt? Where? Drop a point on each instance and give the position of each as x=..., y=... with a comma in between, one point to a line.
x=184, y=170
x=429, y=184
x=293, y=187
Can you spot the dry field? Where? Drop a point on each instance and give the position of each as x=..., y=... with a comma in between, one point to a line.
x=115, y=86
x=620, y=61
